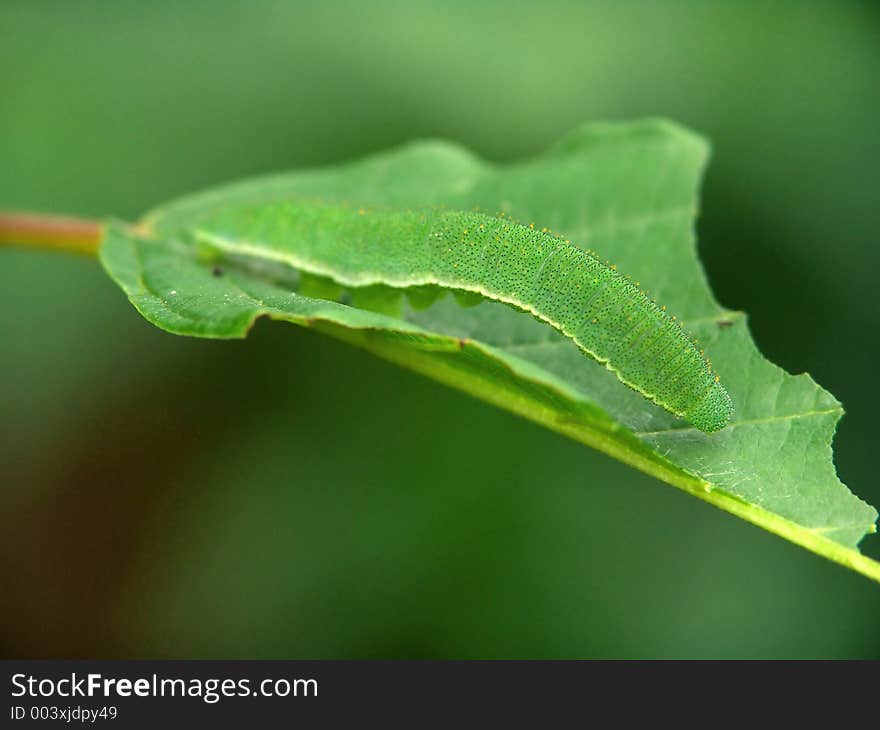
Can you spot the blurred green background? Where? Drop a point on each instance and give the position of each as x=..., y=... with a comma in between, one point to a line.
x=288, y=496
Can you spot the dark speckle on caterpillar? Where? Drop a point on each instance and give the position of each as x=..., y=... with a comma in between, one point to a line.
x=608, y=317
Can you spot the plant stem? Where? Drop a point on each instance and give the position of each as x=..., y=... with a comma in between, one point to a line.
x=58, y=233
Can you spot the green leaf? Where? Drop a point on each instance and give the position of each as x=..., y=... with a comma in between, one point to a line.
x=627, y=191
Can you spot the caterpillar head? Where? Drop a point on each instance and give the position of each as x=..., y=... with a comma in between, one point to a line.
x=714, y=411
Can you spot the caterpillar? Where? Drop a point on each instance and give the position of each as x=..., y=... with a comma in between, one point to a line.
x=608, y=317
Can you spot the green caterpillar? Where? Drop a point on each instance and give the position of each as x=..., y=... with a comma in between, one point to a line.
x=608, y=317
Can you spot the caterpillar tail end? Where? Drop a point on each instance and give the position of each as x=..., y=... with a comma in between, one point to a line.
x=713, y=412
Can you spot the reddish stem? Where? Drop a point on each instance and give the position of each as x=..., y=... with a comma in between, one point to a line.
x=59, y=233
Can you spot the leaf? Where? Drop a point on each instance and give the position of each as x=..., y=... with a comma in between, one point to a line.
x=627, y=191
